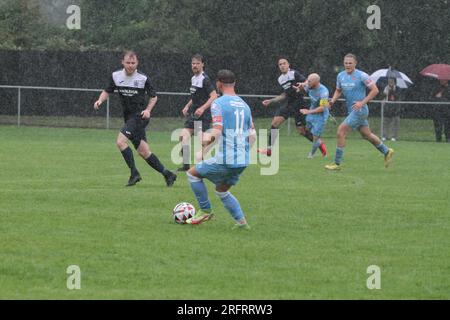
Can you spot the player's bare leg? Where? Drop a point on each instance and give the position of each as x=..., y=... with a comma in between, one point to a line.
x=303, y=131
x=367, y=134
x=122, y=141
x=205, y=142
x=341, y=136
x=144, y=150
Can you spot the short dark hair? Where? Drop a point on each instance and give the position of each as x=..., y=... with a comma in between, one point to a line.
x=282, y=58
x=129, y=53
x=199, y=57
x=351, y=55
x=226, y=76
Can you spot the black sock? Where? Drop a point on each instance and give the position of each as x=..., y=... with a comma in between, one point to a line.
x=129, y=159
x=269, y=137
x=154, y=162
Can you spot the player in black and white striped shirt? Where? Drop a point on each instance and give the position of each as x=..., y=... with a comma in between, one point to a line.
x=291, y=103
x=133, y=87
x=198, y=107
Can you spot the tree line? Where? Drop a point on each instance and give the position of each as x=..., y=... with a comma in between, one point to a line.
x=314, y=34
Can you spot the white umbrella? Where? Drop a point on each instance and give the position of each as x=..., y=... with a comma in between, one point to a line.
x=381, y=78
x=403, y=81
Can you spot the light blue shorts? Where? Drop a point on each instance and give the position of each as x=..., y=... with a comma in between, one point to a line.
x=219, y=173
x=357, y=119
x=316, y=125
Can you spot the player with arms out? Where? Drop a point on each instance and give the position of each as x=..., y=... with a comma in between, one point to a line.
x=203, y=94
x=317, y=114
x=233, y=131
x=353, y=83
x=133, y=86
x=292, y=102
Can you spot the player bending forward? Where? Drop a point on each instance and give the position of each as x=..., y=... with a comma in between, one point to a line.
x=234, y=132
x=317, y=114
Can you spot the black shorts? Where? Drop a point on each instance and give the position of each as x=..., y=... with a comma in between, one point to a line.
x=205, y=119
x=134, y=129
x=292, y=109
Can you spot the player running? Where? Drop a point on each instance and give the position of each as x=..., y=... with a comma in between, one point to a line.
x=292, y=101
x=132, y=87
x=232, y=130
x=203, y=94
x=317, y=114
x=352, y=83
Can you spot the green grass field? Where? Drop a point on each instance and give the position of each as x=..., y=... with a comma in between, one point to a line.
x=314, y=233
x=410, y=129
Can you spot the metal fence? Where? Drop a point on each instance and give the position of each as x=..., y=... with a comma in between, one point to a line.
x=21, y=89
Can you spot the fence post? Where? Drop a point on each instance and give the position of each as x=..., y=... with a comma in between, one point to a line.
x=382, y=121
x=289, y=127
x=18, y=107
x=107, y=114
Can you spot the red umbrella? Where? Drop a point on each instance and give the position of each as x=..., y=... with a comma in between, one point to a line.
x=437, y=71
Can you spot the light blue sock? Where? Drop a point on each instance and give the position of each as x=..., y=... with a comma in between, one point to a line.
x=382, y=148
x=231, y=204
x=200, y=191
x=339, y=155
x=316, y=146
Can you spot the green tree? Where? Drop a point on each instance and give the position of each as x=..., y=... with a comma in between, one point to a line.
x=20, y=23
x=160, y=26
x=314, y=34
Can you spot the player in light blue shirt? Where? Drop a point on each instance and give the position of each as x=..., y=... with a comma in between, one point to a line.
x=233, y=131
x=234, y=115
x=318, y=113
x=353, y=83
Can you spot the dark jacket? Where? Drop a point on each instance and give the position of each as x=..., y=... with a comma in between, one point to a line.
x=396, y=94
x=441, y=110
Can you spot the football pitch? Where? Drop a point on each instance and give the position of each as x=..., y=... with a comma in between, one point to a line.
x=314, y=233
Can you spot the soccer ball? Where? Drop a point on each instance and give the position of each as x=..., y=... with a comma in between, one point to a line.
x=182, y=212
